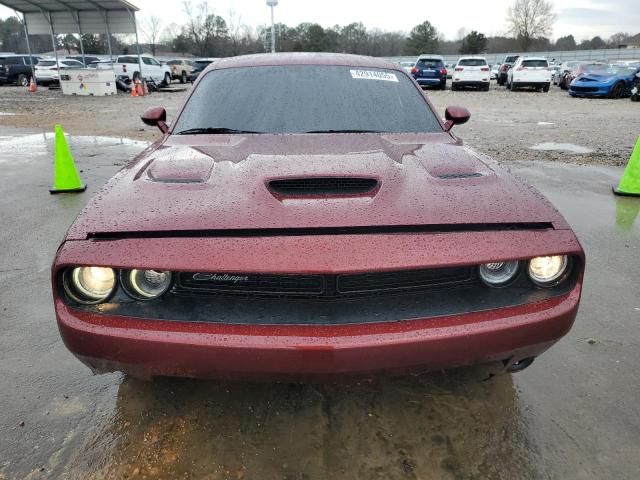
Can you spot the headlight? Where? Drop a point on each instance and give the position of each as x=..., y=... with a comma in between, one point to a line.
x=145, y=284
x=548, y=271
x=498, y=274
x=89, y=285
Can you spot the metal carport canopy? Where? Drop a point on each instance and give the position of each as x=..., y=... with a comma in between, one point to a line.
x=52, y=17
x=76, y=16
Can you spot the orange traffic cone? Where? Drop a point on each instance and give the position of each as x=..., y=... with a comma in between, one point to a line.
x=139, y=89
x=134, y=90
x=33, y=86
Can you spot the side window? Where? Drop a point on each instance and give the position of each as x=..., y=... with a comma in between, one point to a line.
x=146, y=61
x=155, y=63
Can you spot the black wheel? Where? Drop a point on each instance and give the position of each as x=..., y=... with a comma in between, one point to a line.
x=520, y=365
x=487, y=88
x=618, y=91
x=454, y=87
x=513, y=87
x=183, y=77
x=167, y=80
x=545, y=89
x=23, y=80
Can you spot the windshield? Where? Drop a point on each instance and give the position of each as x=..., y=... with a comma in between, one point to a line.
x=307, y=98
x=429, y=63
x=47, y=63
x=472, y=62
x=535, y=63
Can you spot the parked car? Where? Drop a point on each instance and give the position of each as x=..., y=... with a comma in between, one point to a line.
x=16, y=69
x=509, y=60
x=199, y=66
x=87, y=60
x=127, y=68
x=370, y=240
x=495, y=71
x=471, y=72
x=579, y=69
x=47, y=70
x=555, y=74
x=612, y=81
x=529, y=72
x=635, y=89
x=408, y=66
x=181, y=69
x=567, y=74
x=429, y=71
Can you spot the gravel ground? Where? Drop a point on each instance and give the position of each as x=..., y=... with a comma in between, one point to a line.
x=607, y=128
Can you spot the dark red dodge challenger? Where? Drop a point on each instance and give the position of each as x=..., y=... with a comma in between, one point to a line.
x=310, y=215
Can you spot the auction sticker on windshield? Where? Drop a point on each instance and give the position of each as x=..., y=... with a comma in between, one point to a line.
x=374, y=75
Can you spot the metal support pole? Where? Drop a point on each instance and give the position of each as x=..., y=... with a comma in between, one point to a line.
x=26, y=36
x=273, y=33
x=135, y=26
x=106, y=22
x=84, y=60
x=54, y=44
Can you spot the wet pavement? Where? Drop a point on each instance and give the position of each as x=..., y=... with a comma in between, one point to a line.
x=573, y=415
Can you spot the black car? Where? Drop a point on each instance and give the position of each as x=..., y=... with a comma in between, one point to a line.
x=198, y=68
x=16, y=69
x=503, y=73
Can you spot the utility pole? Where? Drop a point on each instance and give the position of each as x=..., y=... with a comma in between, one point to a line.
x=272, y=3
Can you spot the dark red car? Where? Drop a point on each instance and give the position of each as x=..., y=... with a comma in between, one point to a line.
x=308, y=215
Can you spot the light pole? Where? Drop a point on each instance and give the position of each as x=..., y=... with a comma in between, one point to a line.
x=272, y=3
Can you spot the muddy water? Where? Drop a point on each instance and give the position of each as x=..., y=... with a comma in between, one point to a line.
x=437, y=426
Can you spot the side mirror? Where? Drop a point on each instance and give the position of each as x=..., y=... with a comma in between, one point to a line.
x=455, y=116
x=156, y=117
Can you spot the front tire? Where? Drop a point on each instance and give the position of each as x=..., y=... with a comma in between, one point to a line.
x=546, y=89
x=167, y=80
x=618, y=91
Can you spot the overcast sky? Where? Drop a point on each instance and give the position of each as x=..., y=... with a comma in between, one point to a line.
x=582, y=18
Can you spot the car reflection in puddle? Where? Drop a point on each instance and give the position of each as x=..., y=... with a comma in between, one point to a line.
x=453, y=425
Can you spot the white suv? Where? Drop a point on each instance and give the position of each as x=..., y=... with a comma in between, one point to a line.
x=471, y=72
x=531, y=72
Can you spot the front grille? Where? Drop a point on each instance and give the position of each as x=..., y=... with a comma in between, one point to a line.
x=319, y=286
x=323, y=186
x=585, y=89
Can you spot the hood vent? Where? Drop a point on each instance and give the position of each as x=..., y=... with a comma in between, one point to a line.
x=452, y=176
x=323, y=186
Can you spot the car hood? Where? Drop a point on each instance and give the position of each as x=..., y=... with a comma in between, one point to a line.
x=222, y=183
x=591, y=77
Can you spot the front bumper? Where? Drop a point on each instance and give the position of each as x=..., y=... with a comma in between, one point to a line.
x=589, y=91
x=419, y=340
x=148, y=348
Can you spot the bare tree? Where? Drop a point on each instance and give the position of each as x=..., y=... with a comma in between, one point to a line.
x=237, y=31
x=530, y=19
x=151, y=28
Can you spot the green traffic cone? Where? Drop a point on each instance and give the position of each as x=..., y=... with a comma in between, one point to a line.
x=65, y=174
x=630, y=183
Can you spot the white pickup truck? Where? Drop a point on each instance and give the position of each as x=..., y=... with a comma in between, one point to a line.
x=128, y=67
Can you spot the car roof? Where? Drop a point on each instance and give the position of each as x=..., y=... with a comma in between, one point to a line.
x=473, y=57
x=533, y=58
x=304, y=58
x=425, y=56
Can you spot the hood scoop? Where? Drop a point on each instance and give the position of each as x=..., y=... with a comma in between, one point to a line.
x=323, y=187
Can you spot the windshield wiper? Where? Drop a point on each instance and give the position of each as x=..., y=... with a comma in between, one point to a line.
x=345, y=131
x=212, y=130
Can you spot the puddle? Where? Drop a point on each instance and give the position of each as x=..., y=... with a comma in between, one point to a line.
x=43, y=143
x=546, y=123
x=562, y=147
